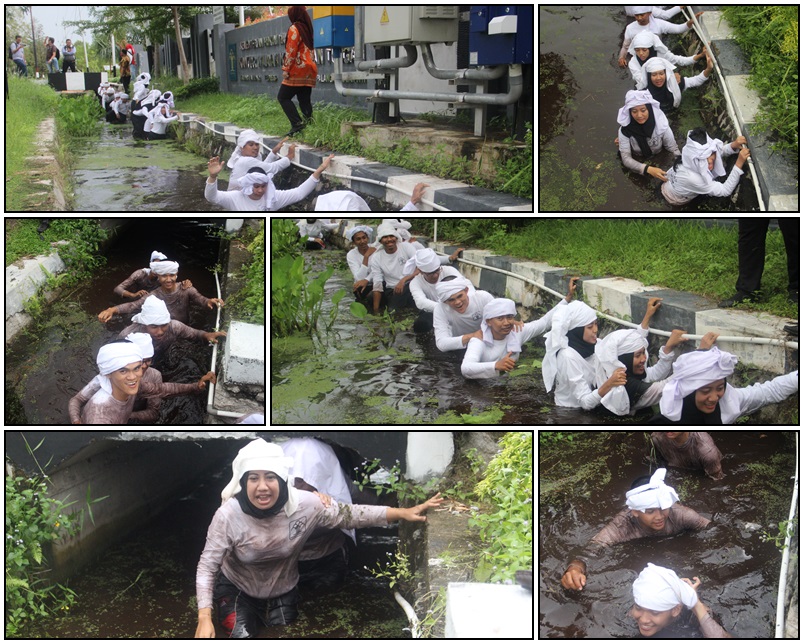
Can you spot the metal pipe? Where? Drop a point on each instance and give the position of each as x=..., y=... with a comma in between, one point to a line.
x=664, y=334
x=412, y=618
x=458, y=74
x=410, y=58
x=729, y=104
x=780, y=598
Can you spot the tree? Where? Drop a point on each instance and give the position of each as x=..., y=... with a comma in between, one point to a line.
x=185, y=70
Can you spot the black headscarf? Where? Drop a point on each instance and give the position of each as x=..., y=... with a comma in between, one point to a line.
x=576, y=341
x=249, y=508
x=635, y=384
x=643, y=132
x=662, y=94
x=651, y=54
x=301, y=19
x=690, y=414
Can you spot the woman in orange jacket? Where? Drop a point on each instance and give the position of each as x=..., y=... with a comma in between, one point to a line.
x=299, y=70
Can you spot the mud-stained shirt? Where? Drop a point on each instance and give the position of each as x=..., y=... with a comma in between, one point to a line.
x=177, y=302
x=175, y=331
x=711, y=630
x=624, y=527
x=260, y=556
x=102, y=408
x=139, y=280
x=698, y=453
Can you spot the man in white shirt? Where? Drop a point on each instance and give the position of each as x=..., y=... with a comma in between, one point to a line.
x=386, y=268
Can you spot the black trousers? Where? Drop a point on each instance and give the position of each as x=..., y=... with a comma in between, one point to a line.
x=751, y=250
x=241, y=616
x=285, y=96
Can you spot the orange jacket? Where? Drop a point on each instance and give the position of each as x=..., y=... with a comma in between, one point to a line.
x=299, y=68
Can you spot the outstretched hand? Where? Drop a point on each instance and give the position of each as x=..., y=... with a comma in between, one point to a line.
x=418, y=513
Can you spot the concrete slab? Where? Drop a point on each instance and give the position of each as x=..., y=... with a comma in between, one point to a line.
x=407, y=182
x=730, y=57
x=429, y=455
x=471, y=199
x=492, y=281
x=777, y=175
x=715, y=26
x=678, y=311
x=377, y=172
x=786, y=203
x=528, y=294
x=244, y=355
x=489, y=611
x=472, y=273
x=231, y=132
x=23, y=281
x=746, y=101
x=613, y=295
x=747, y=324
x=220, y=128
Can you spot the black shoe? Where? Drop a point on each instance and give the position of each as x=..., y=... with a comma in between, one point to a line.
x=737, y=298
x=791, y=329
x=296, y=128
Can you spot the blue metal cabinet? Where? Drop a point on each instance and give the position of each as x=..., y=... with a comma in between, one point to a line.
x=501, y=48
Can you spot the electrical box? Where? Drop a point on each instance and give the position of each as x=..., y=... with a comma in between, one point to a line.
x=333, y=26
x=501, y=35
x=396, y=25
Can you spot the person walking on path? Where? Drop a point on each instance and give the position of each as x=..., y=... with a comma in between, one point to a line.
x=299, y=70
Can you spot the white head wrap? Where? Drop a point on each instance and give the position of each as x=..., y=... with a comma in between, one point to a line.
x=359, y=229
x=642, y=97
x=154, y=311
x=157, y=255
x=341, y=201
x=645, y=40
x=575, y=314
x=659, y=588
x=494, y=309
x=607, y=351
x=144, y=342
x=642, y=9
x=244, y=137
x=694, y=157
x=251, y=179
x=425, y=260
x=385, y=230
x=114, y=356
x=694, y=370
x=261, y=456
x=657, y=64
x=165, y=268
x=655, y=494
x=447, y=289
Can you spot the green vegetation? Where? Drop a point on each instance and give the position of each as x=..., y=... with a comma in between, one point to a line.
x=79, y=116
x=250, y=300
x=769, y=36
x=507, y=530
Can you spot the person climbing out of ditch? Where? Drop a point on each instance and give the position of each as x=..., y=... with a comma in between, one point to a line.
x=659, y=601
x=498, y=350
x=386, y=267
x=117, y=385
x=170, y=291
x=258, y=192
x=299, y=71
x=154, y=319
x=249, y=568
x=570, y=363
x=628, y=349
x=247, y=155
x=693, y=177
x=358, y=259
x=143, y=280
x=145, y=408
x=647, y=45
x=698, y=394
x=646, y=22
x=688, y=450
x=315, y=231
x=644, y=131
x=457, y=319
x=428, y=269
x=652, y=511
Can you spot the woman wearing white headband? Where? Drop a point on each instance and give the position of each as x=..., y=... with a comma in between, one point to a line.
x=647, y=45
x=428, y=270
x=659, y=598
x=249, y=567
x=659, y=77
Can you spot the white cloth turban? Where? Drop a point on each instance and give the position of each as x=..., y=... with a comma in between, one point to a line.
x=575, y=314
x=341, y=201
x=251, y=179
x=691, y=372
x=165, y=268
x=642, y=9
x=425, y=260
x=384, y=230
x=157, y=255
x=659, y=588
x=657, y=64
x=359, y=229
x=144, y=342
x=607, y=351
x=244, y=137
x=154, y=311
x=642, y=97
x=261, y=456
x=114, y=356
x=447, y=289
x=656, y=494
x=645, y=40
x=695, y=157
x=494, y=309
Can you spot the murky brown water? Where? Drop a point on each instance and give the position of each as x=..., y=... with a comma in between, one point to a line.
x=739, y=572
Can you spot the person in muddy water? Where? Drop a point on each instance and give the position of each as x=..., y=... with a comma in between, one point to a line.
x=247, y=155
x=652, y=511
x=249, y=568
x=659, y=601
x=659, y=77
x=694, y=177
x=175, y=295
x=314, y=232
x=390, y=284
x=498, y=350
x=143, y=280
x=688, y=450
x=647, y=45
x=358, y=259
x=570, y=363
x=458, y=317
x=644, y=131
x=698, y=394
x=428, y=269
x=646, y=22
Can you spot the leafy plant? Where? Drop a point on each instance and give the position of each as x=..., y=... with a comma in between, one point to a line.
x=393, y=482
x=79, y=116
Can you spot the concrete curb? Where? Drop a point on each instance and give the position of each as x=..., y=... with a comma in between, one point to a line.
x=776, y=175
x=456, y=196
x=626, y=299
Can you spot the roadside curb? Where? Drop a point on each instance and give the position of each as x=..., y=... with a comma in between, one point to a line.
x=454, y=195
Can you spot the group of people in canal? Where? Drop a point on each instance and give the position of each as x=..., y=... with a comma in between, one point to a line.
x=652, y=510
x=644, y=127
x=150, y=109
x=583, y=371
x=127, y=388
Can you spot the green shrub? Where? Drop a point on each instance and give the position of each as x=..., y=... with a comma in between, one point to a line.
x=196, y=87
x=79, y=116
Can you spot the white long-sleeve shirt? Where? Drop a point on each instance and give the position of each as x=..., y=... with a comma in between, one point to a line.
x=160, y=123
x=385, y=267
x=424, y=294
x=750, y=399
x=450, y=326
x=629, y=146
x=480, y=358
x=272, y=164
x=236, y=201
x=684, y=184
x=655, y=25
